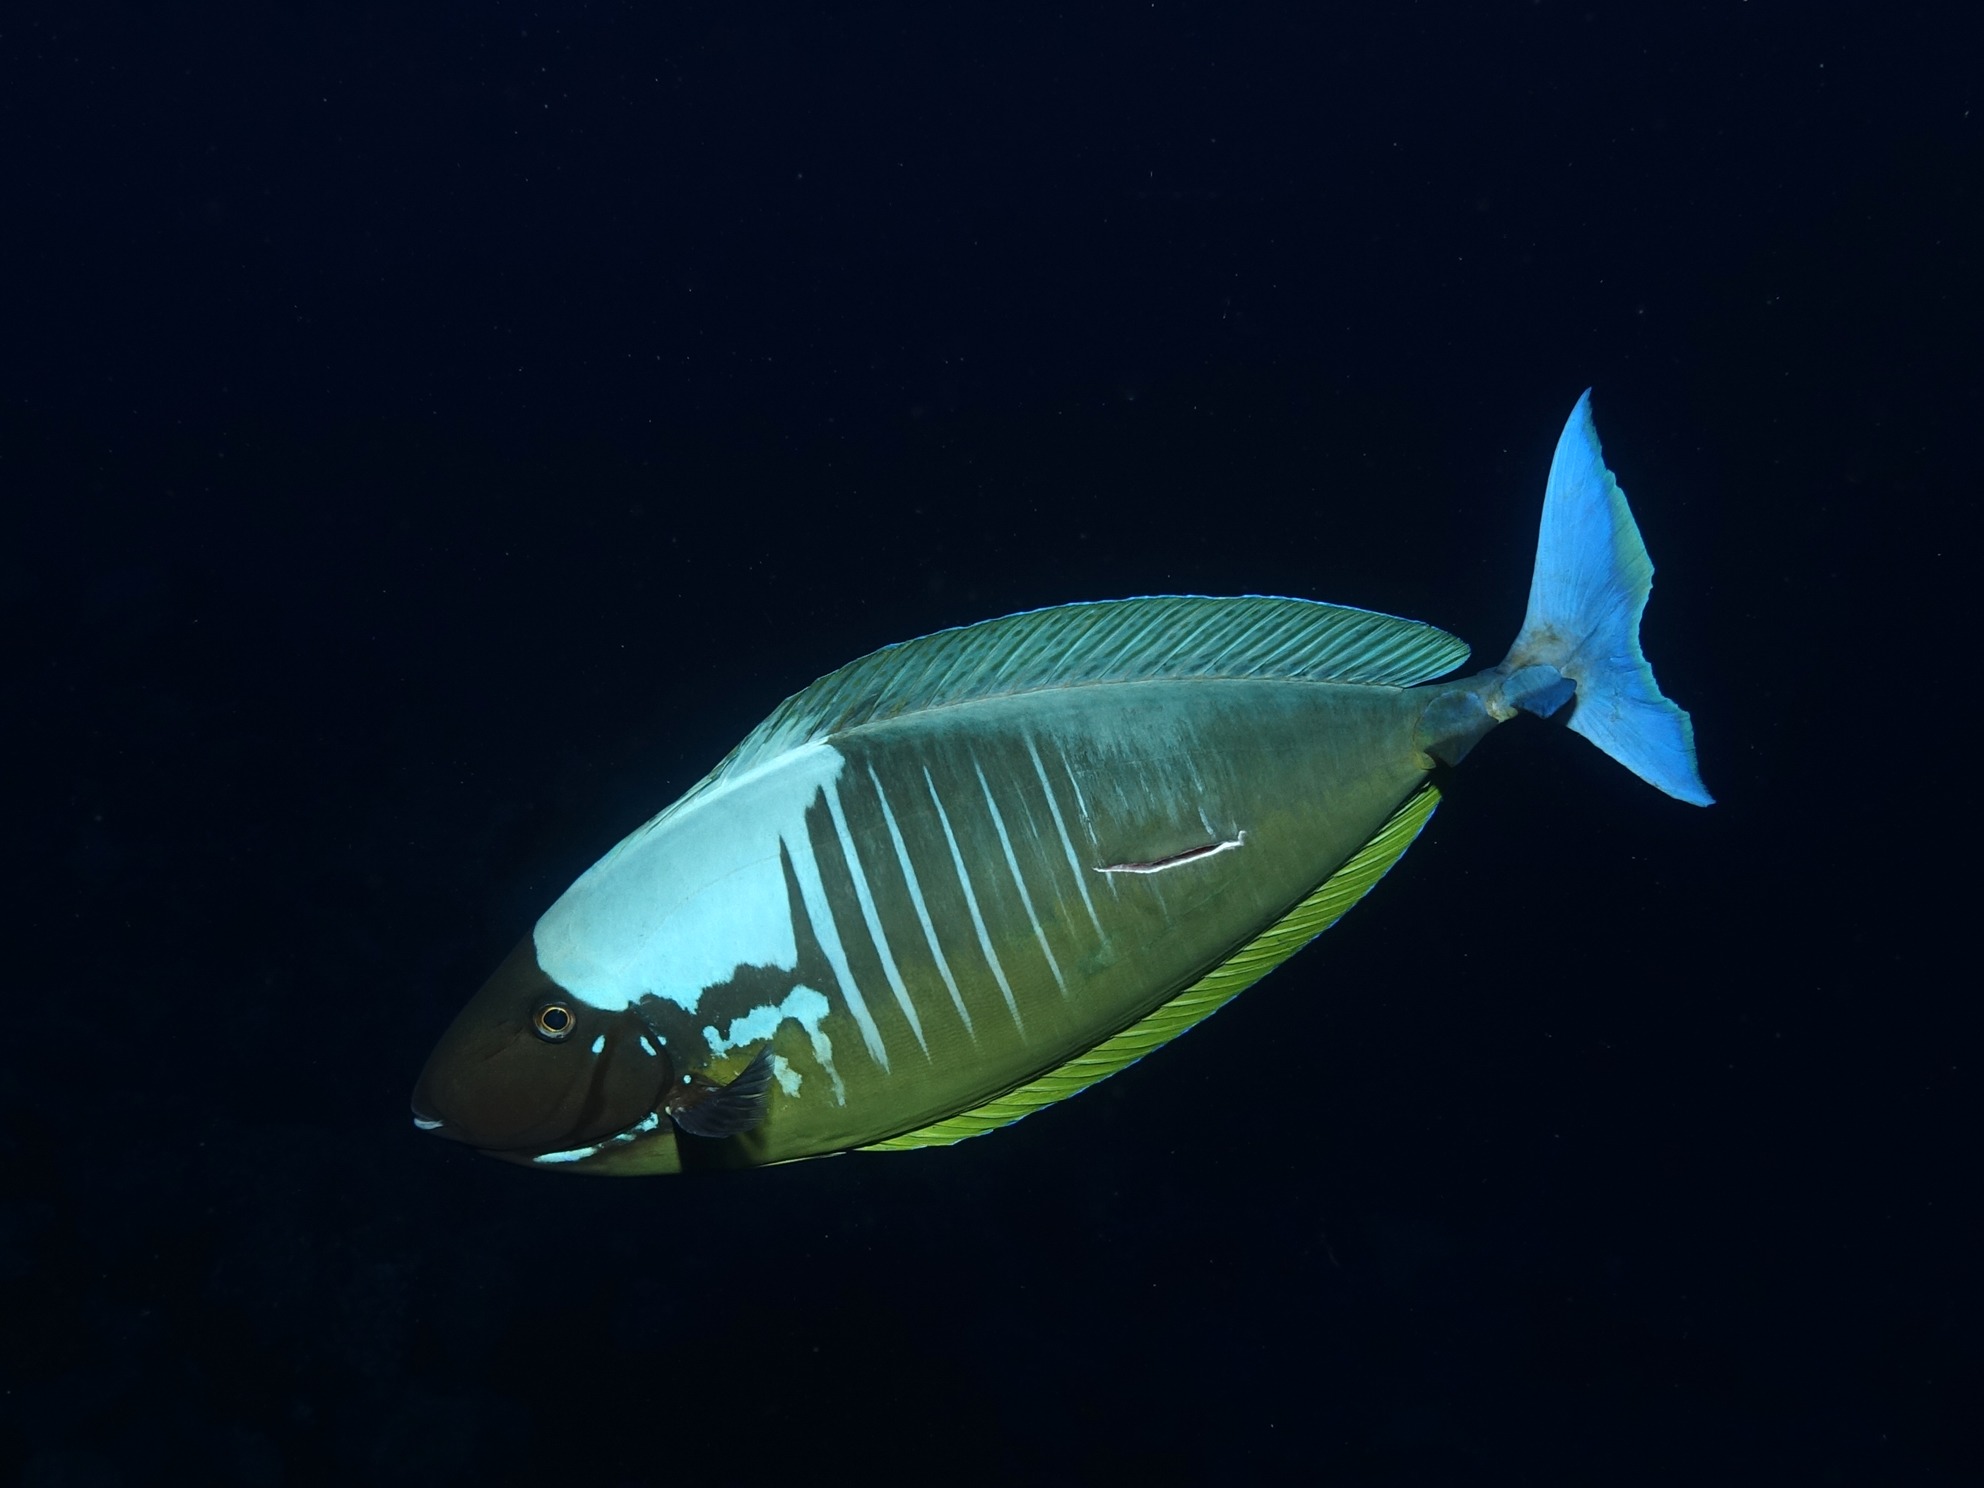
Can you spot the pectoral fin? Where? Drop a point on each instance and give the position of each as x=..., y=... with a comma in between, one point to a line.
x=701, y=1107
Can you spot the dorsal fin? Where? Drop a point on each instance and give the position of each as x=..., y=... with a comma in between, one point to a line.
x=1120, y=640
x=1197, y=1002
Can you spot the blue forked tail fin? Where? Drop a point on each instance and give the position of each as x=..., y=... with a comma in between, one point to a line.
x=1586, y=597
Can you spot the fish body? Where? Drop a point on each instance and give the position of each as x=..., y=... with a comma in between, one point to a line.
x=964, y=877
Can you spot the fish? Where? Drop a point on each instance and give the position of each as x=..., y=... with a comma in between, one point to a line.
x=966, y=877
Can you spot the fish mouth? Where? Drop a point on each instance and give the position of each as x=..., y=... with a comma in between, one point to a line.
x=424, y=1121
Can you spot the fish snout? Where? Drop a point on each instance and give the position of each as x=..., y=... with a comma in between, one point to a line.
x=431, y=1113
x=455, y=1103
x=426, y=1120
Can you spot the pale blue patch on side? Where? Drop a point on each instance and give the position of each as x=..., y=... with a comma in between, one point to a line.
x=680, y=904
x=599, y=1044
x=788, y=1078
x=804, y=1006
x=573, y=1155
x=619, y=1139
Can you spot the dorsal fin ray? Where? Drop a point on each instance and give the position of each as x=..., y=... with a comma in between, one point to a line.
x=1261, y=955
x=1121, y=640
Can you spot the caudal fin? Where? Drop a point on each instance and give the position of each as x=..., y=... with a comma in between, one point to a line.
x=1585, y=600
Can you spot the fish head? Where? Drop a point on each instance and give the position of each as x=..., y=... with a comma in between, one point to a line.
x=528, y=1067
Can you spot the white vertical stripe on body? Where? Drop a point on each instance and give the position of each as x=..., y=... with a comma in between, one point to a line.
x=1013, y=867
x=922, y=909
x=971, y=903
x=1067, y=843
x=868, y=914
x=814, y=893
x=1081, y=807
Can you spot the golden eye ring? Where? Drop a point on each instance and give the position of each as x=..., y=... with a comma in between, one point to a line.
x=554, y=1022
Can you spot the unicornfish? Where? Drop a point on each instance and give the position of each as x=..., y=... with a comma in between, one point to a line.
x=965, y=877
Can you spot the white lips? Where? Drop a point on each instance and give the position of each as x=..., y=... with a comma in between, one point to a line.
x=424, y=1124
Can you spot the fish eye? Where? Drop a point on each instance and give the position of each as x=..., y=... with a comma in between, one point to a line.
x=553, y=1022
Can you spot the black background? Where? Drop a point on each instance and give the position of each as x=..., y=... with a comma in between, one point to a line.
x=430, y=436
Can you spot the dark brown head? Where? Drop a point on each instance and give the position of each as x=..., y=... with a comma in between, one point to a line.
x=528, y=1068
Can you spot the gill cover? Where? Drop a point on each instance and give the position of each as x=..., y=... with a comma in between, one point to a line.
x=528, y=1067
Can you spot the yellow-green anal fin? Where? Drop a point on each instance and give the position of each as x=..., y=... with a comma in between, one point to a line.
x=1202, y=999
